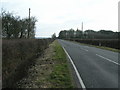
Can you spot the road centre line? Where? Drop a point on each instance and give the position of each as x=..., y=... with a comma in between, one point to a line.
x=77, y=73
x=84, y=49
x=108, y=59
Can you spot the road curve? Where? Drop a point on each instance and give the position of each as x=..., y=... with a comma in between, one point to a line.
x=98, y=68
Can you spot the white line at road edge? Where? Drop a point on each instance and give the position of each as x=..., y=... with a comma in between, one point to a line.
x=108, y=59
x=84, y=49
x=77, y=73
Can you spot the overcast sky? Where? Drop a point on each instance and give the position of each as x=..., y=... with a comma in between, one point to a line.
x=56, y=15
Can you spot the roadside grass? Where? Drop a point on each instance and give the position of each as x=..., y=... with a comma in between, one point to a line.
x=60, y=77
x=108, y=48
x=51, y=70
x=101, y=47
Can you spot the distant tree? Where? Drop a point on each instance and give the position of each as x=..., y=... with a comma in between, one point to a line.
x=54, y=36
x=105, y=31
x=63, y=34
x=78, y=33
x=106, y=34
x=22, y=28
x=7, y=25
x=14, y=27
x=88, y=34
x=71, y=33
x=33, y=20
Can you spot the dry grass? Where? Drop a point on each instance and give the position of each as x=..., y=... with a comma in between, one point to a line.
x=50, y=70
x=18, y=55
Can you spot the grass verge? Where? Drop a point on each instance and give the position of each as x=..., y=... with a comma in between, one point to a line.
x=60, y=77
x=51, y=70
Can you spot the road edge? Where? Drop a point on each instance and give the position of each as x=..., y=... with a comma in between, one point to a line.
x=76, y=71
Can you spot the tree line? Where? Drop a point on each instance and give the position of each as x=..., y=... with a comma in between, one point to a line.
x=15, y=27
x=88, y=34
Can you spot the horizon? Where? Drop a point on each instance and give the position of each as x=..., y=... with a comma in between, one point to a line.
x=53, y=16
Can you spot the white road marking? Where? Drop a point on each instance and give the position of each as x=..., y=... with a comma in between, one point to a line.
x=77, y=73
x=84, y=49
x=108, y=59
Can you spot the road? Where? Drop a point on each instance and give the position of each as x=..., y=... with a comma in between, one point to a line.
x=97, y=68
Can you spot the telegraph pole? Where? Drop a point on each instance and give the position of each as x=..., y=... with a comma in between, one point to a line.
x=29, y=25
x=82, y=27
x=82, y=30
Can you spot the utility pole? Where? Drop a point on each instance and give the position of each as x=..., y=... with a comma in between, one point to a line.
x=82, y=27
x=29, y=25
x=82, y=30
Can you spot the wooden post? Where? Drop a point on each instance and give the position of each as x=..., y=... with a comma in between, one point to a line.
x=29, y=25
x=82, y=31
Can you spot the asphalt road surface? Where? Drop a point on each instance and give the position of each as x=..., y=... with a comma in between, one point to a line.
x=97, y=68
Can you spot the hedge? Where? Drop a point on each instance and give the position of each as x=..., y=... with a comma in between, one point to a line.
x=17, y=56
x=112, y=43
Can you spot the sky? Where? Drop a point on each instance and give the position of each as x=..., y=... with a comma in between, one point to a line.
x=56, y=15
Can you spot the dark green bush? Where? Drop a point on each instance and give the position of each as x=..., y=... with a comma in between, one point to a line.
x=17, y=56
x=112, y=43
